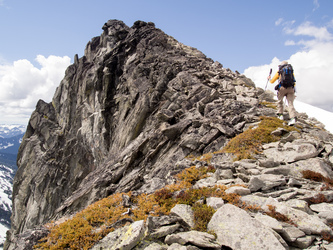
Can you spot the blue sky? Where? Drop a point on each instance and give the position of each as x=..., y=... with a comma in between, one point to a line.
x=238, y=33
x=38, y=39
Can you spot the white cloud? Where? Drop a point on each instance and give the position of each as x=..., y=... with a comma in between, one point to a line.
x=278, y=22
x=308, y=29
x=23, y=84
x=313, y=67
x=289, y=43
x=316, y=5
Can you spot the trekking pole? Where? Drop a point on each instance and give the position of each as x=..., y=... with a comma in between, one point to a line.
x=270, y=73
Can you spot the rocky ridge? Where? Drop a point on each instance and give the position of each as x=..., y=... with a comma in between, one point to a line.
x=126, y=116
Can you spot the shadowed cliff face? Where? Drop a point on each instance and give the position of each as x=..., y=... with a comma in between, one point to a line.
x=122, y=119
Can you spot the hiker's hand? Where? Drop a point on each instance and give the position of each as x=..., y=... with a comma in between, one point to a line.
x=268, y=77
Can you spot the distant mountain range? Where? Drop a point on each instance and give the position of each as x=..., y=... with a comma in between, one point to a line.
x=10, y=140
x=8, y=131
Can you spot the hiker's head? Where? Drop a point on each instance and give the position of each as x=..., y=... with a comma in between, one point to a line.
x=283, y=63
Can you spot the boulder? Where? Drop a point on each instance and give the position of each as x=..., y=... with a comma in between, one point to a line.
x=235, y=228
x=206, y=182
x=268, y=163
x=164, y=231
x=238, y=190
x=154, y=222
x=176, y=246
x=123, y=238
x=270, y=222
x=156, y=246
x=281, y=170
x=256, y=184
x=292, y=151
x=185, y=212
x=299, y=204
x=314, y=164
x=214, y=202
x=326, y=215
x=304, y=242
x=322, y=207
x=196, y=238
x=309, y=224
x=291, y=233
x=266, y=182
x=254, y=200
x=224, y=174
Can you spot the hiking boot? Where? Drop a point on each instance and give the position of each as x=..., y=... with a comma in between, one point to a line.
x=292, y=122
x=280, y=116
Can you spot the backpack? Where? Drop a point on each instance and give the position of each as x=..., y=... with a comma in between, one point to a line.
x=286, y=73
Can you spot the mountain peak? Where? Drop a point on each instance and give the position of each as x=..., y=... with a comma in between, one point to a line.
x=125, y=117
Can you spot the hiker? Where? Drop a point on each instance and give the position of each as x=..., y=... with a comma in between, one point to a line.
x=285, y=88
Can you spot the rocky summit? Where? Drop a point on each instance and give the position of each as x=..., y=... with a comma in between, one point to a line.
x=136, y=116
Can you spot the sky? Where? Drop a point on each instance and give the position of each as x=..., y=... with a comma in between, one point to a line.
x=38, y=40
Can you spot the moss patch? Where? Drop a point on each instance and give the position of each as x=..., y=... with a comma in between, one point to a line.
x=202, y=216
x=249, y=143
x=193, y=174
x=269, y=104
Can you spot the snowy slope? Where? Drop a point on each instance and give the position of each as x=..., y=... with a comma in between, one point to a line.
x=10, y=140
x=6, y=185
x=3, y=230
x=321, y=115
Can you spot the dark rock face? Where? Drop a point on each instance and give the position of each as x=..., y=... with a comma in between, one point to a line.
x=123, y=118
x=124, y=114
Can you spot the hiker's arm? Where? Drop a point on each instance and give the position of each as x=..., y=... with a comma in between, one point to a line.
x=275, y=77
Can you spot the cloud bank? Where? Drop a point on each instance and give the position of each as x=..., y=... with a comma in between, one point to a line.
x=23, y=84
x=313, y=63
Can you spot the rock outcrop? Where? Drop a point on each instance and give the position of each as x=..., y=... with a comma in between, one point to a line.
x=126, y=116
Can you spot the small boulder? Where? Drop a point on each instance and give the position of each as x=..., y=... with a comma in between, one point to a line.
x=196, y=238
x=238, y=190
x=185, y=212
x=215, y=202
x=235, y=228
x=123, y=238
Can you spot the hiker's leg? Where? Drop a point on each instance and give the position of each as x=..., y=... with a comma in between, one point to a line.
x=290, y=99
x=280, y=95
